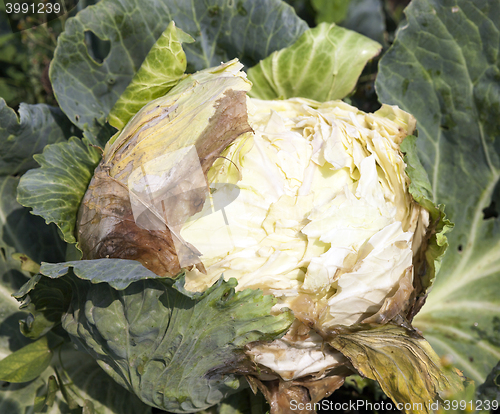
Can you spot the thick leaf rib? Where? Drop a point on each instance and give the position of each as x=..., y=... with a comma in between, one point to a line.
x=444, y=69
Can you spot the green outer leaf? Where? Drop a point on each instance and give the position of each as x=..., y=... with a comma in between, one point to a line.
x=27, y=363
x=324, y=64
x=55, y=190
x=118, y=273
x=330, y=11
x=38, y=126
x=163, y=67
x=19, y=231
x=22, y=232
x=402, y=362
x=443, y=68
x=174, y=352
x=366, y=17
x=222, y=29
x=420, y=189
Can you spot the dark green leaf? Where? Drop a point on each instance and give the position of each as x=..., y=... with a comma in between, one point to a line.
x=366, y=17
x=222, y=29
x=304, y=10
x=46, y=301
x=401, y=361
x=27, y=363
x=324, y=64
x=176, y=353
x=21, y=232
x=490, y=390
x=88, y=384
x=55, y=190
x=100, y=136
x=84, y=380
x=38, y=126
x=117, y=273
x=444, y=69
x=163, y=67
x=243, y=402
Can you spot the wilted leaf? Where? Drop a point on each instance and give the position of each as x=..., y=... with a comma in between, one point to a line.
x=401, y=361
x=443, y=68
x=37, y=126
x=324, y=64
x=55, y=190
x=161, y=70
x=87, y=89
x=153, y=175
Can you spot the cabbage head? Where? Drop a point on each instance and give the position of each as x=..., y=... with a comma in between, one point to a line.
x=289, y=241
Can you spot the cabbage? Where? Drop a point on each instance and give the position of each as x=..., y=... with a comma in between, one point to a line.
x=282, y=241
x=323, y=220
